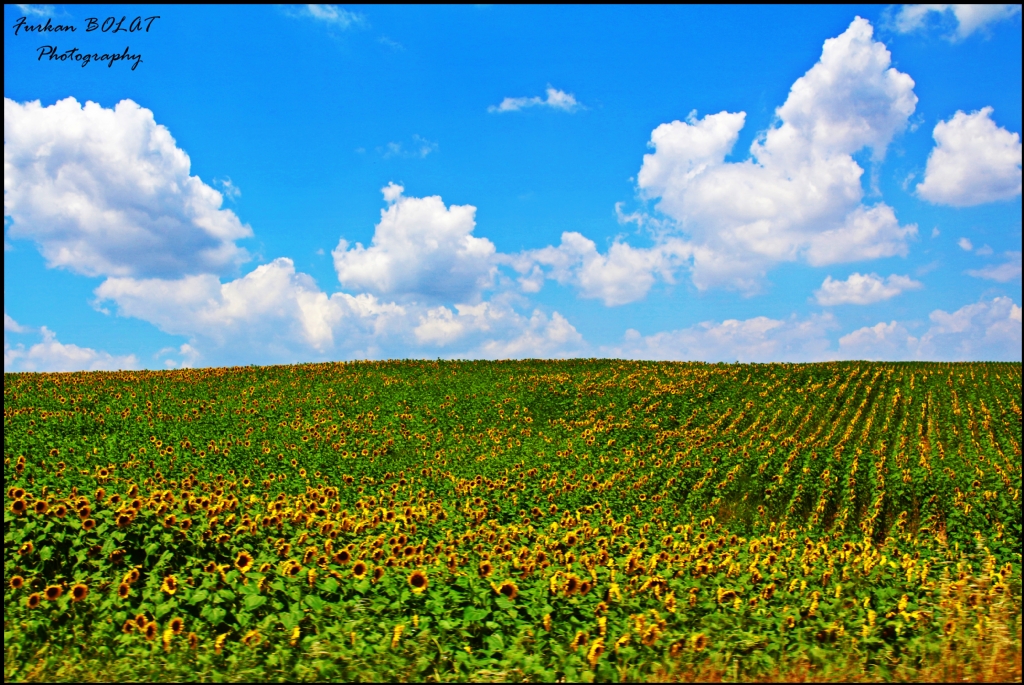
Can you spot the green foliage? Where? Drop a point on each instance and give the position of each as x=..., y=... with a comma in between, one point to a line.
x=586, y=519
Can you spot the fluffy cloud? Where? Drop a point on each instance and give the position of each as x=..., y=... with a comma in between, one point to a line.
x=889, y=341
x=277, y=314
x=442, y=326
x=968, y=18
x=1003, y=273
x=540, y=337
x=420, y=248
x=51, y=355
x=498, y=331
x=273, y=306
x=863, y=289
x=799, y=195
x=188, y=355
x=107, y=192
x=981, y=331
x=624, y=274
x=556, y=99
x=973, y=162
x=760, y=339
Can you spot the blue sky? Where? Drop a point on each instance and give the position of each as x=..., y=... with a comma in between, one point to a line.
x=305, y=183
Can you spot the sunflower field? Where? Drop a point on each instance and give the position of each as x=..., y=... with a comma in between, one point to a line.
x=515, y=521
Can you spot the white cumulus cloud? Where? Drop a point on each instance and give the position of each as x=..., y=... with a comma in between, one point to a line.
x=983, y=331
x=973, y=162
x=541, y=336
x=624, y=274
x=51, y=355
x=883, y=341
x=555, y=99
x=968, y=18
x=420, y=248
x=273, y=306
x=108, y=192
x=799, y=195
x=495, y=330
x=863, y=289
x=759, y=339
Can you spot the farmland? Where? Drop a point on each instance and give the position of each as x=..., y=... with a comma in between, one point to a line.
x=535, y=520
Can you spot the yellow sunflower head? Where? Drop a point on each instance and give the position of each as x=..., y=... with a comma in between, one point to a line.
x=244, y=561
x=170, y=585
x=79, y=591
x=418, y=581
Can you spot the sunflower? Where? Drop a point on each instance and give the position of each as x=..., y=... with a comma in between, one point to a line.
x=88, y=524
x=123, y=590
x=41, y=506
x=378, y=573
x=170, y=520
x=117, y=556
x=252, y=638
x=581, y=639
x=53, y=592
x=243, y=562
x=124, y=520
x=485, y=569
x=150, y=630
x=342, y=557
x=509, y=589
x=17, y=582
x=177, y=625
x=128, y=627
x=193, y=641
x=60, y=511
x=211, y=567
x=26, y=548
x=699, y=642
x=131, y=577
x=292, y=569
x=572, y=584
x=358, y=569
x=33, y=600
x=418, y=581
x=170, y=585
x=79, y=591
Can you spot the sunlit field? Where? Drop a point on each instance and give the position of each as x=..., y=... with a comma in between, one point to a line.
x=515, y=521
